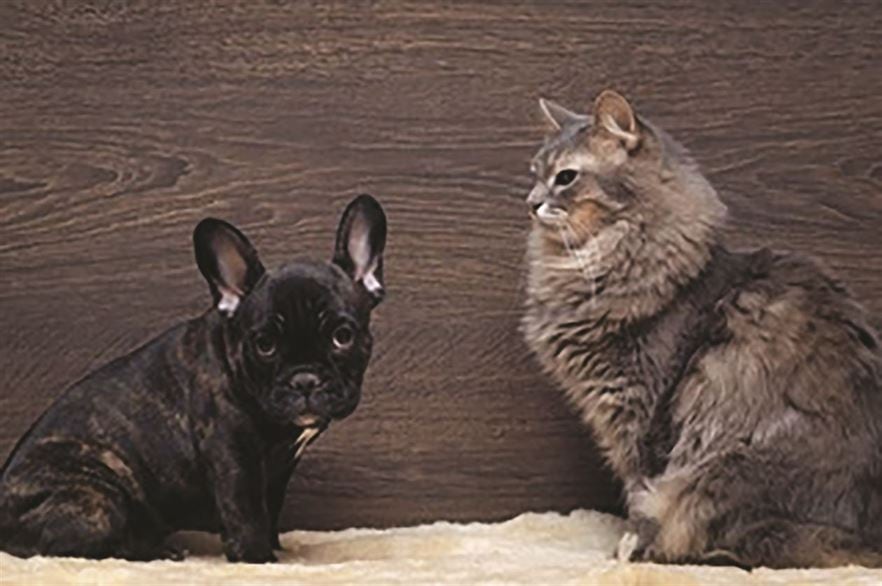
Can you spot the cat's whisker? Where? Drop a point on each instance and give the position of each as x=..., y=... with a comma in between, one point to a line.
x=566, y=231
x=586, y=269
x=566, y=242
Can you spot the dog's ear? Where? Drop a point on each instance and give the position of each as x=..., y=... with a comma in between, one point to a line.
x=361, y=238
x=227, y=261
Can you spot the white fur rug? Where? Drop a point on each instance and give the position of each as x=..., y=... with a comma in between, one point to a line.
x=534, y=549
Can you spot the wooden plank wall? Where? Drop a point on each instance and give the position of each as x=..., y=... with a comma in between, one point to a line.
x=124, y=123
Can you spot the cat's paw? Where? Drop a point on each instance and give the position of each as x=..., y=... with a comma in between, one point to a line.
x=627, y=546
x=723, y=557
x=637, y=544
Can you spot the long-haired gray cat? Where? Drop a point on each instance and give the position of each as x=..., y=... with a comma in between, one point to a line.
x=738, y=396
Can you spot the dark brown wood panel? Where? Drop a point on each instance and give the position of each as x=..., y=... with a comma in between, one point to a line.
x=124, y=123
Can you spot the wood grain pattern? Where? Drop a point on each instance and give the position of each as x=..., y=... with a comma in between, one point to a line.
x=124, y=123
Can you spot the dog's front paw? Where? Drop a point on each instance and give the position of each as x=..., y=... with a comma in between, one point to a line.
x=249, y=553
x=172, y=553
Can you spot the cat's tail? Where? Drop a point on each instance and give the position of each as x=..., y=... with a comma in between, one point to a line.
x=786, y=544
x=860, y=556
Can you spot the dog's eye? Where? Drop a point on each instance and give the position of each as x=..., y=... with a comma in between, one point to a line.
x=265, y=345
x=565, y=177
x=343, y=337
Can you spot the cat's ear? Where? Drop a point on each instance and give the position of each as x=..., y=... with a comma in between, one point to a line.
x=613, y=113
x=227, y=261
x=557, y=116
x=361, y=239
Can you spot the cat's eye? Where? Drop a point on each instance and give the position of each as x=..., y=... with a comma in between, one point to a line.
x=265, y=345
x=343, y=337
x=565, y=177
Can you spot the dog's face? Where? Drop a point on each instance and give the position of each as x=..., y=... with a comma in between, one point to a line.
x=298, y=339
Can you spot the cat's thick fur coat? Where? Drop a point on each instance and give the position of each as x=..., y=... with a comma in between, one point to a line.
x=738, y=396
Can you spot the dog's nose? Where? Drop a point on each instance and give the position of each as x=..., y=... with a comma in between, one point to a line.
x=305, y=382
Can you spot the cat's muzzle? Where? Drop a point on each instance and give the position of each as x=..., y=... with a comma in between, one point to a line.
x=549, y=214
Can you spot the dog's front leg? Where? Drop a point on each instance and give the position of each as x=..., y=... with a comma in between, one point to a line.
x=239, y=483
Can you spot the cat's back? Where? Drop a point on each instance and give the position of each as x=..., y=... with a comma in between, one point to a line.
x=794, y=318
x=798, y=370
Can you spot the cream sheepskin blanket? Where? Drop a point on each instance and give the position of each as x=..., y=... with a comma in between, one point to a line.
x=534, y=549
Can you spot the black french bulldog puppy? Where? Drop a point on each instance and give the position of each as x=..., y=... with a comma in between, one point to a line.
x=202, y=427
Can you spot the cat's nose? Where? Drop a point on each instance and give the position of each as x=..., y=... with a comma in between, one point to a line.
x=305, y=382
x=536, y=196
